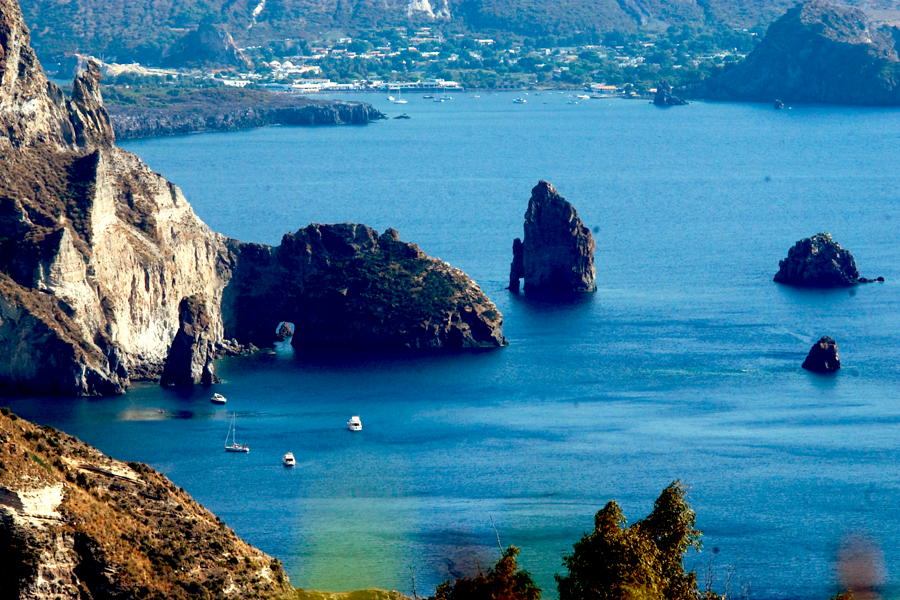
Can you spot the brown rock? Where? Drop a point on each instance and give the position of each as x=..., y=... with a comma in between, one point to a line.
x=823, y=357
x=517, y=267
x=558, y=250
x=819, y=262
x=665, y=97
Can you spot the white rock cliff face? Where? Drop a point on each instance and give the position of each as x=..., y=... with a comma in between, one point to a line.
x=96, y=250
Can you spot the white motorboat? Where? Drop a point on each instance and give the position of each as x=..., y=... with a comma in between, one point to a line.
x=438, y=99
x=234, y=446
x=354, y=424
x=520, y=100
x=583, y=96
x=288, y=459
x=218, y=398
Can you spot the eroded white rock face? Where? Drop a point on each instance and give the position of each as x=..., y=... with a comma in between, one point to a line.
x=35, y=507
x=439, y=9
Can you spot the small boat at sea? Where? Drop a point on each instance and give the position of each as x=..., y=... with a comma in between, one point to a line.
x=428, y=96
x=520, y=100
x=446, y=98
x=403, y=116
x=438, y=99
x=288, y=459
x=218, y=398
x=234, y=446
x=583, y=96
x=354, y=424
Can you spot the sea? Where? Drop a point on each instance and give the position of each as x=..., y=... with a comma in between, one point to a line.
x=684, y=365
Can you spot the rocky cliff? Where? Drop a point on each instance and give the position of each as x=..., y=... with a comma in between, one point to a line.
x=345, y=285
x=76, y=525
x=817, y=52
x=818, y=261
x=98, y=254
x=665, y=97
x=557, y=254
x=228, y=109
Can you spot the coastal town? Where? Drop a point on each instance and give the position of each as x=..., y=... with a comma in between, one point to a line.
x=407, y=60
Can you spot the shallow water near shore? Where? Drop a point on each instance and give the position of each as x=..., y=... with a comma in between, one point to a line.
x=685, y=363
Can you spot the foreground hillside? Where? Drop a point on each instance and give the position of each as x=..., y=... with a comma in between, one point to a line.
x=78, y=524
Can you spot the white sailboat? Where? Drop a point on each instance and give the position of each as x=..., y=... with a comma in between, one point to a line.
x=232, y=433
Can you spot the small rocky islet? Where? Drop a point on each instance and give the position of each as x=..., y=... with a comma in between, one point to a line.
x=820, y=262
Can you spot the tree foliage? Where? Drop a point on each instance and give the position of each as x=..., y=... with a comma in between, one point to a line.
x=640, y=562
x=506, y=581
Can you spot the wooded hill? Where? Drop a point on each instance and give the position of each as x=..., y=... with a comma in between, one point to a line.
x=134, y=30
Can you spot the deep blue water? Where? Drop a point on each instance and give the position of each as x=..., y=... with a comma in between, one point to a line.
x=685, y=364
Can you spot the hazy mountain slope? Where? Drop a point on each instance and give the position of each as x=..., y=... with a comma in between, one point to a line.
x=817, y=52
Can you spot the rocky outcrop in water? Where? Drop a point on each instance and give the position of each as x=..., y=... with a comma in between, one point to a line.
x=229, y=109
x=818, y=261
x=823, y=356
x=99, y=255
x=207, y=46
x=665, y=97
x=346, y=286
x=817, y=52
x=557, y=254
x=285, y=332
x=75, y=524
x=193, y=350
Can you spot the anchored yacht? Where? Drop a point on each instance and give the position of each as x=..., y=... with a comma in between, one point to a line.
x=354, y=424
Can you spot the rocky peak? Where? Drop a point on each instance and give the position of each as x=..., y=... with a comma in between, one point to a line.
x=557, y=254
x=89, y=117
x=208, y=45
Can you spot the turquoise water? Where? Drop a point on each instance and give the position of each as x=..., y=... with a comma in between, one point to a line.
x=684, y=364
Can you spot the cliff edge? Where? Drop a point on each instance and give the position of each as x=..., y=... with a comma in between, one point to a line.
x=99, y=254
x=817, y=52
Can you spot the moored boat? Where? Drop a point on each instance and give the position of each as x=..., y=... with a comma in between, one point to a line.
x=234, y=446
x=354, y=424
x=218, y=398
x=288, y=459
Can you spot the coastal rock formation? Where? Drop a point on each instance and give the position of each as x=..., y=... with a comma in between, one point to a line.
x=346, y=286
x=207, y=46
x=818, y=261
x=823, y=356
x=665, y=97
x=103, y=264
x=229, y=109
x=193, y=350
x=75, y=524
x=284, y=332
x=557, y=254
x=817, y=52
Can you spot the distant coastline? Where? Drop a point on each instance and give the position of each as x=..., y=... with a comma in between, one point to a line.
x=227, y=109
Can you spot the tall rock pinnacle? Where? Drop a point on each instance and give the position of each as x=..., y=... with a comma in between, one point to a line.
x=557, y=254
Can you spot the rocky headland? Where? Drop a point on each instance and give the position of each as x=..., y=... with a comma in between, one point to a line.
x=817, y=52
x=229, y=109
x=823, y=356
x=820, y=262
x=103, y=263
x=557, y=252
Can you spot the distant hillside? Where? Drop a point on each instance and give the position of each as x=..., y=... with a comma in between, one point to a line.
x=131, y=29
x=817, y=52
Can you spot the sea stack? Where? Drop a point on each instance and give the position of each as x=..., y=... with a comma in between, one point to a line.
x=193, y=350
x=665, y=97
x=823, y=357
x=818, y=262
x=557, y=254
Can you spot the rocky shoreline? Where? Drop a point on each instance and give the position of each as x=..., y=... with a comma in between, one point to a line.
x=222, y=109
